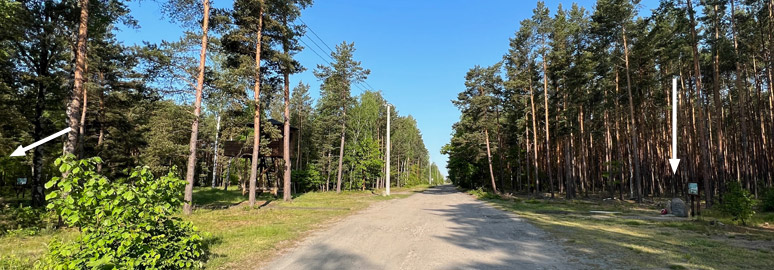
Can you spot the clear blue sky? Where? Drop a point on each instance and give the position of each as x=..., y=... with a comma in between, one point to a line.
x=418, y=51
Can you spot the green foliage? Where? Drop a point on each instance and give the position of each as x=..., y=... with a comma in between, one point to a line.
x=738, y=203
x=365, y=161
x=767, y=201
x=125, y=223
x=309, y=178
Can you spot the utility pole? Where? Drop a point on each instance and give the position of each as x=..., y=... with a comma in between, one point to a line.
x=429, y=172
x=387, y=157
x=215, y=158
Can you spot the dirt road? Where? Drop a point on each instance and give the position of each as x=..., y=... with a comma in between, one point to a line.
x=437, y=229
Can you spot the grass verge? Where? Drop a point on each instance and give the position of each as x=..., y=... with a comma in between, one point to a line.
x=637, y=238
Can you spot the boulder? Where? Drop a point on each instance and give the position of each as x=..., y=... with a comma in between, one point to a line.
x=678, y=208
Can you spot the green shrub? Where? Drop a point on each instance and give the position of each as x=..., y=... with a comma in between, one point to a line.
x=125, y=223
x=738, y=203
x=768, y=200
x=308, y=179
x=483, y=194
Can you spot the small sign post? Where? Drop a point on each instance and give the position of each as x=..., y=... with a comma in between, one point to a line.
x=20, y=183
x=693, y=191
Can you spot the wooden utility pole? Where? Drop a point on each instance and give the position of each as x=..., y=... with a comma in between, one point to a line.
x=387, y=157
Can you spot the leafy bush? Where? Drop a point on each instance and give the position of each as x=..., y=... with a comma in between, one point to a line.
x=768, y=200
x=738, y=203
x=125, y=223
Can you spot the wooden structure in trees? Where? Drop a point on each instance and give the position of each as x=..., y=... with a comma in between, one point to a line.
x=238, y=149
x=267, y=163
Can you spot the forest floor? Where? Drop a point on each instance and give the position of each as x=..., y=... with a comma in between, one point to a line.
x=637, y=237
x=239, y=237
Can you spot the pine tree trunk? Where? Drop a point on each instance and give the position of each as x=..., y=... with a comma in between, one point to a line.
x=298, y=143
x=742, y=93
x=341, y=154
x=702, y=127
x=215, y=153
x=489, y=159
x=635, y=147
x=620, y=151
x=719, y=121
x=74, y=105
x=286, y=132
x=191, y=169
x=534, y=133
x=328, y=172
x=548, y=137
x=101, y=137
x=38, y=186
x=84, y=108
x=257, y=115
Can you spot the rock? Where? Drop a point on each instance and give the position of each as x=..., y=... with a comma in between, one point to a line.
x=678, y=208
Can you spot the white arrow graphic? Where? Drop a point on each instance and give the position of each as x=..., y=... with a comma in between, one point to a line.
x=20, y=151
x=674, y=161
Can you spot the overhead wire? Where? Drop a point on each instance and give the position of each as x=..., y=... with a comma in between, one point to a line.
x=360, y=85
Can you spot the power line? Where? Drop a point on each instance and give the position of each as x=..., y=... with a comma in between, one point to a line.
x=315, y=34
x=315, y=52
x=369, y=85
x=326, y=61
x=359, y=85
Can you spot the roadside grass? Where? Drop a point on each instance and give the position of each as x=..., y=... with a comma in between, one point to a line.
x=239, y=237
x=637, y=238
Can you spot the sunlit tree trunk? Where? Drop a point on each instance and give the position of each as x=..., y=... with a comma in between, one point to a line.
x=286, y=127
x=101, y=137
x=190, y=173
x=74, y=105
x=341, y=151
x=534, y=132
x=257, y=115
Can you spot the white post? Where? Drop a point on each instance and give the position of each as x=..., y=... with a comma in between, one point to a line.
x=429, y=171
x=387, y=157
x=215, y=158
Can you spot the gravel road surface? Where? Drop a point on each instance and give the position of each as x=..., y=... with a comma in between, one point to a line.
x=439, y=228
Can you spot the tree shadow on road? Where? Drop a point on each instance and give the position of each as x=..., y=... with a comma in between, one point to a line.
x=510, y=242
x=439, y=190
x=325, y=257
